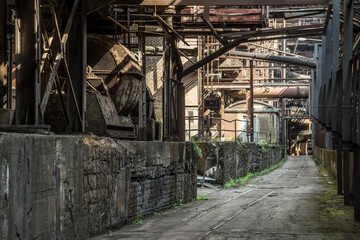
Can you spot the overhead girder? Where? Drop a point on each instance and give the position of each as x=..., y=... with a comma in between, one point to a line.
x=222, y=3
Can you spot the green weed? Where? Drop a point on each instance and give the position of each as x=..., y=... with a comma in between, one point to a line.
x=158, y=213
x=202, y=197
x=138, y=220
x=197, y=149
x=180, y=204
x=244, y=179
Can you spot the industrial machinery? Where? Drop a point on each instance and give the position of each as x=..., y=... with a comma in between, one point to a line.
x=114, y=87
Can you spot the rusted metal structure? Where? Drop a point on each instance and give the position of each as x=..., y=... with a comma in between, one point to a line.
x=70, y=77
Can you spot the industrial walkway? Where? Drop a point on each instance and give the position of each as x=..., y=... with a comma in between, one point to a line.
x=295, y=201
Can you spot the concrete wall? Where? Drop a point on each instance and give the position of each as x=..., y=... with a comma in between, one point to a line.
x=65, y=187
x=231, y=160
x=327, y=158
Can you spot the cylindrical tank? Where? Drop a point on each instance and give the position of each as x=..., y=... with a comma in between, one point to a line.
x=119, y=69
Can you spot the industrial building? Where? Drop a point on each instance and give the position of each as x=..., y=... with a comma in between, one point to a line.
x=116, y=109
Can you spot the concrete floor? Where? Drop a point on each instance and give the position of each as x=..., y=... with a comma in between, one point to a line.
x=296, y=201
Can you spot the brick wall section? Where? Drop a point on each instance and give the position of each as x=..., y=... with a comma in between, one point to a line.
x=232, y=160
x=70, y=187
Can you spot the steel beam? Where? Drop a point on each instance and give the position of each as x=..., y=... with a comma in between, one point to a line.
x=335, y=62
x=327, y=76
x=322, y=96
x=93, y=5
x=250, y=104
x=222, y=112
x=75, y=60
x=216, y=2
x=214, y=32
x=27, y=43
x=356, y=178
x=3, y=53
x=303, y=62
x=142, y=101
x=60, y=55
x=275, y=31
x=212, y=56
x=318, y=81
x=339, y=164
x=347, y=176
x=347, y=70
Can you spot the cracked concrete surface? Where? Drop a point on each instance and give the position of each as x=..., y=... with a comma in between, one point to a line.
x=287, y=203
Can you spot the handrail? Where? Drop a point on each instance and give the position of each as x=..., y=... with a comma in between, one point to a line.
x=208, y=129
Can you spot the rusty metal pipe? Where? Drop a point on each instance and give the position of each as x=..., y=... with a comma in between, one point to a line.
x=303, y=62
x=278, y=92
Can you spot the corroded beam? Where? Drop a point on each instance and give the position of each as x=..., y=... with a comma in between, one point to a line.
x=94, y=5
x=223, y=2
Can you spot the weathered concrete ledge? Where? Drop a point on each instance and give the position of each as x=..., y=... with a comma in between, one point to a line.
x=71, y=187
x=227, y=160
x=66, y=187
x=328, y=159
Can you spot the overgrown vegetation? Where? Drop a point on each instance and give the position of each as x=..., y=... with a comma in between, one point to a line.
x=158, y=213
x=244, y=179
x=197, y=149
x=138, y=220
x=265, y=145
x=333, y=214
x=202, y=197
x=180, y=204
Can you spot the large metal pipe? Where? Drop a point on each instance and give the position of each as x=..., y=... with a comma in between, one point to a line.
x=278, y=92
x=303, y=62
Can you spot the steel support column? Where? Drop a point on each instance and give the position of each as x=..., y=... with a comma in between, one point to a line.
x=347, y=70
x=323, y=88
x=327, y=80
x=356, y=178
x=27, y=34
x=335, y=62
x=181, y=112
x=346, y=128
x=3, y=49
x=250, y=104
x=76, y=59
x=170, y=113
x=142, y=100
x=347, y=176
x=318, y=83
x=222, y=113
x=339, y=173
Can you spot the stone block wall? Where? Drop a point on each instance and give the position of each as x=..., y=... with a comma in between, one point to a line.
x=66, y=187
x=230, y=160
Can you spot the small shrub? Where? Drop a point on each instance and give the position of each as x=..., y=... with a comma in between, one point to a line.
x=180, y=204
x=158, y=213
x=202, y=197
x=138, y=220
x=197, y=149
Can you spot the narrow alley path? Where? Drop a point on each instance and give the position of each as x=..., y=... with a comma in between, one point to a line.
x=288, y=203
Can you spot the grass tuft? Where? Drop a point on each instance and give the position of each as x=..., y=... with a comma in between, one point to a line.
x=138, y=220
x=202, y=197
x=158, y=213
x=244, y=179
x=180, y=204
